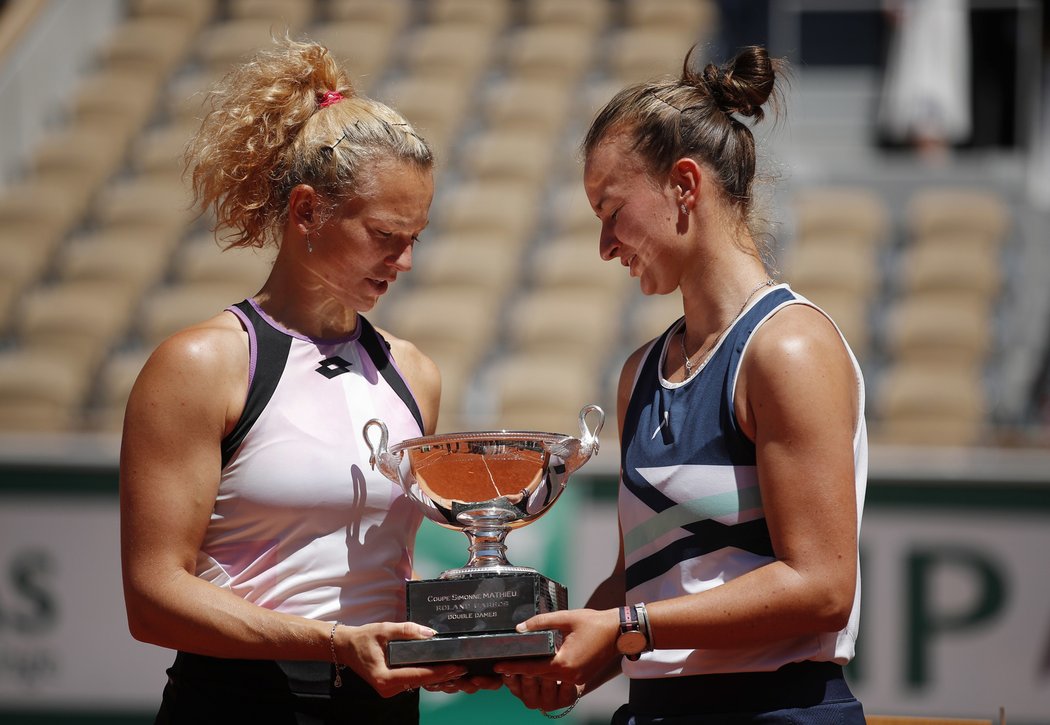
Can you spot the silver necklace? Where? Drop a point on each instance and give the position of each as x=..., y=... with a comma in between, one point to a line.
x=689, y=358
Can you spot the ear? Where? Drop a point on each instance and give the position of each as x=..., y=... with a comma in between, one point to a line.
x=686, y=175
x=302, y=208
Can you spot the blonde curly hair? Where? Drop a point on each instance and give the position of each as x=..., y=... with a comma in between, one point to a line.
x=266, y=131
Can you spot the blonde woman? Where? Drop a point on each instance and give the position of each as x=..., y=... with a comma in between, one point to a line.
x=255, y=538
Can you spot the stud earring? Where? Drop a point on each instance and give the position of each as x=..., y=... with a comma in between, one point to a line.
x=685, y=212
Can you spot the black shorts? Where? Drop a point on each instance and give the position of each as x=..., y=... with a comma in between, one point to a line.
x=803, y=693
x=203, y=690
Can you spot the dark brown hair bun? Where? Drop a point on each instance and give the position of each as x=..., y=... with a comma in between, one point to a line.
x=742, y=85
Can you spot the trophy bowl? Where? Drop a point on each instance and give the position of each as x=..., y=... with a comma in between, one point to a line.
x=485, y=484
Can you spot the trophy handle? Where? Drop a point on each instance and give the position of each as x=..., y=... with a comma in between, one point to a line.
x=381, y=456
x=588, y=437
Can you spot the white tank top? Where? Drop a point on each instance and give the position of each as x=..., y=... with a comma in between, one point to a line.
x=301, y=522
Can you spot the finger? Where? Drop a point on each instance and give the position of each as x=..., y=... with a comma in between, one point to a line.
x=530, y=692
x=548, y=620
x=548, y=692
x=560, y=695
x=409, y=630
x=513, y=683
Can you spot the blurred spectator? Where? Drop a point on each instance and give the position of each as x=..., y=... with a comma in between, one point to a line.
x=926, y=91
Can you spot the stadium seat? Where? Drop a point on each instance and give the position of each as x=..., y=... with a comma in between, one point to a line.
x=42, y=391
x=854, y=214
x=572, y=261
x=507, y=211
x=86, y=152
x=531, y=103
x=589, y=16
x=918, y=403
x=454, y=326
x=485, y=15
x=364, y=48
x=960, y=265
x=435, y=106
x=123, y=258
x=935, y=210
x=394, y=14
x=169, y=309
x=938, y=327
x=294, y=14
x=571, y=212
x=449, y=50
x=10, y=289
x=557, y=53
x=445, y=322
x=639, y=53
x=81, y=318
x=121, y=98
x=114, y=382
x=700, y=16
x=195, y=13
x=158, y=152
x=221, y=45
x=151, y=203
x=24, y=260
x=814, y=264
x=154, y=43
x=514, y=154
x=201, y=259
x=647, y=316
x=542, y=392
x=574, y=323
x=472, y=260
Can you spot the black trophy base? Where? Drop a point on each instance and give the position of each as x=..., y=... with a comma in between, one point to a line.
x=473, y=648
x=475, y=616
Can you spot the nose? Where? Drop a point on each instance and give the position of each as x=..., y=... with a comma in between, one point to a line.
x=402, y=262
x=608, y=246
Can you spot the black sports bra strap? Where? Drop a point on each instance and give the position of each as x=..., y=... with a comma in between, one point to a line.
x=374, y=344
x=271, y=354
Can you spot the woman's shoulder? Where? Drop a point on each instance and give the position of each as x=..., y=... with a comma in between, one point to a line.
x=206, y=356
x=798, y=328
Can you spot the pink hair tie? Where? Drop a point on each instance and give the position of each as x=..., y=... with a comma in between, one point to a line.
x=328, y=98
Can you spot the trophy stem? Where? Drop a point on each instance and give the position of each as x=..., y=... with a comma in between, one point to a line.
x=486, y=529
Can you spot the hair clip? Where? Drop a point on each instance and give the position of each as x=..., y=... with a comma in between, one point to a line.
x=327, y=98
x=652, y=92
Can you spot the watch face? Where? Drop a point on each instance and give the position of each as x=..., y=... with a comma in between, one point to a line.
x=631, y=643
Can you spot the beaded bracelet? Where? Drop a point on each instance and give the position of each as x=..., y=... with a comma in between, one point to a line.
x=338, y=681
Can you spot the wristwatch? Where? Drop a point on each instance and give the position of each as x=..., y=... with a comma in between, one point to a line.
x=634, y=635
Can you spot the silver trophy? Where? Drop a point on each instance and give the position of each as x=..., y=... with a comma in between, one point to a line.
x=485, y=484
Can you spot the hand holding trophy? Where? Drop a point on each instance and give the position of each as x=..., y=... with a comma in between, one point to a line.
x=485, y=484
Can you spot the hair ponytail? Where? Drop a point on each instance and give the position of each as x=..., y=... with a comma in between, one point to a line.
x=288, y=116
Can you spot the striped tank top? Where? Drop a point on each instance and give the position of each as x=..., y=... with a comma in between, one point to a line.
x=689, y=504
